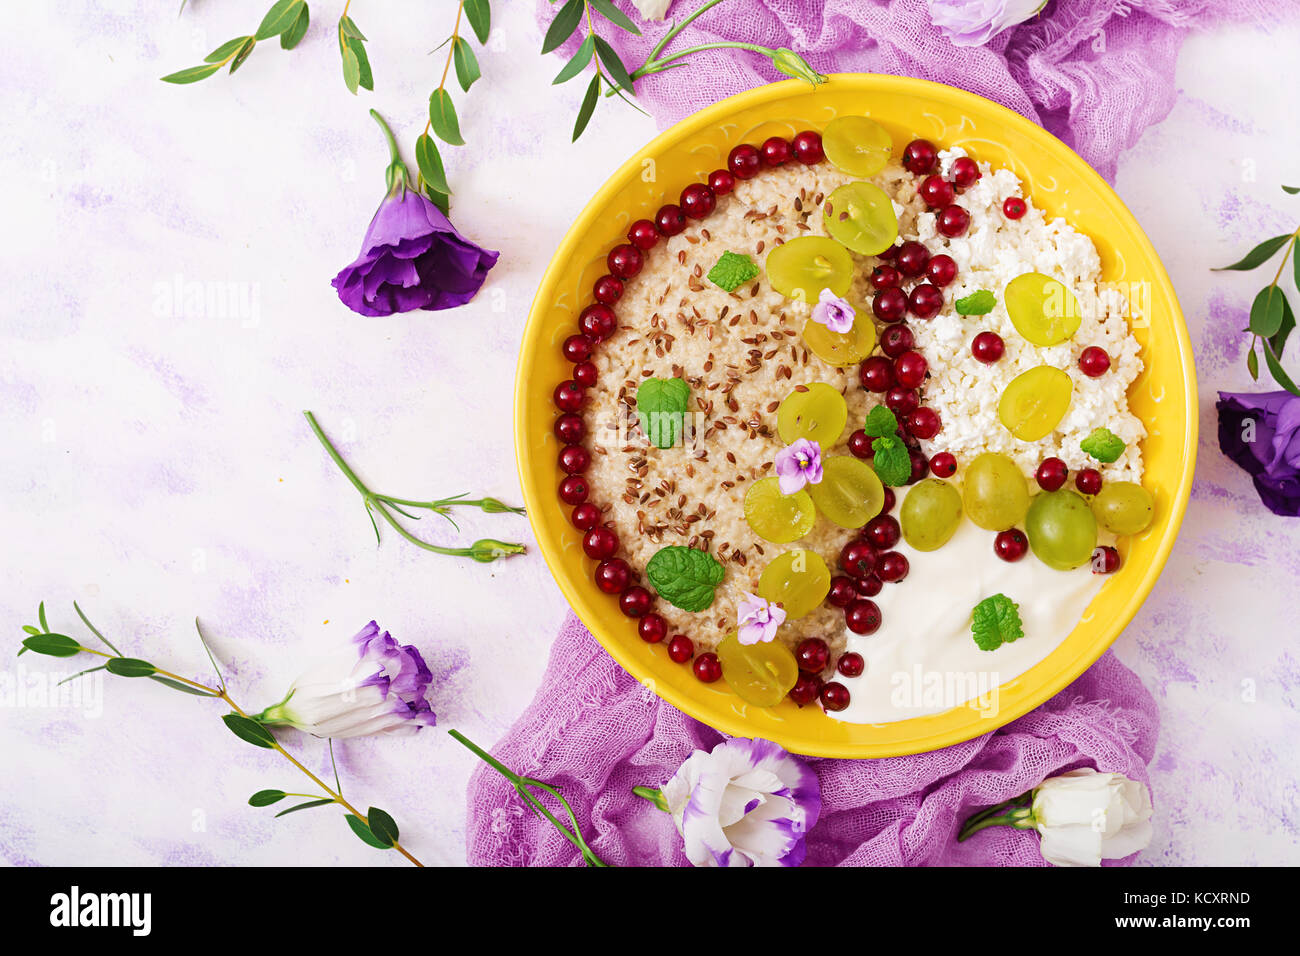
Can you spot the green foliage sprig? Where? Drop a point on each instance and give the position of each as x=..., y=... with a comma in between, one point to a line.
x=287, y=19
x=1271, y=318
x=375, y=827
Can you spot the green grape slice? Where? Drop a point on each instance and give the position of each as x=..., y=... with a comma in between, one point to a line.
x=861, y=216
x=802, y=267
x=760, y=674
x=842, y=349
x=1042, y=309
x=1123, y=507
x=994, y=492
x=797, y=580
x=857, y=145
x=930, y=514
x=850, y=493
x=817, y=412
x=776, y=517
x=1034, y=402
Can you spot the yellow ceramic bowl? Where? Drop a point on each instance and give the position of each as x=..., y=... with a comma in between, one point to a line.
x=1164, y=396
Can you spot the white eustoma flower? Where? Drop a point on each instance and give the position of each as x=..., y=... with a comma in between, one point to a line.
x=373, y=686
x=975, y=22
x=1084, y=816
x=746, y=803
x=652, y=9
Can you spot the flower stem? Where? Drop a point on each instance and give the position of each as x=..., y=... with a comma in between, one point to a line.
x=654, y=795
x=396, y=174
x=1013, y=812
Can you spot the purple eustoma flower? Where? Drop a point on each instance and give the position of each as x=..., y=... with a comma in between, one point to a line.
x=1261, y=433
x=757, y=620
x=372, y=686
x=836, y=313
x=747, y=803
x=798, y=465
x=412, y=256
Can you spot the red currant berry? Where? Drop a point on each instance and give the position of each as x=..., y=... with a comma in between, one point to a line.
x=812, y=655
x=1088, y=481
x=776, y=151
x=1051, y=474
x=1014, y=208
x=607, y=290
x=924, y=423
x=585, y=374
x=570, y=429
x=600, y=543
x=574, y=459
x=806, y=689
x=635, y=601
x=569, y=396
x=574, y=490
x=965, y=172
x=652, y=628
x=585, y=516
x=624, y=261
x=919, y=157
x=858, y=558
x=912, y=260
x=807, y=147
x=987, y=347
x=851, y=664
x=893, y=567
x=941, y=269
x=936, y=191
x=612, y=576
x=890, y=500
x=877, y=374
x=834, y=696
x=869, y=587
x=721, y=182
x=883, y=532
x=860, y=444
x=889, y=255
x=863, y=617
x=1011, y=545
x=744, y=161
x=697, y=200
x=1094, y=361
x=902, y=401
x=952, y=221
x=910, y=369
x=920, y=466
x=885, y=277
x=943, y=464
x=843, y=592
x=578, y=348
x=896, y=339
x=643, y=234
x=1105, y=560
x=925, y=301
x=670, y=220
x=598, y=322
x=889, y=305
x=680, y=649
x=707, y=668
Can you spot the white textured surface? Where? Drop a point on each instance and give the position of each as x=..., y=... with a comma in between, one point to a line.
x=157, y=465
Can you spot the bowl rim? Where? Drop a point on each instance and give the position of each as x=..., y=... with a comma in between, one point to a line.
x=536, y=496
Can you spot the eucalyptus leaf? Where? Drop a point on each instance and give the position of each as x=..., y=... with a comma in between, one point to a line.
x=351, y=67
x=562, y=27
x=578, y=63
x=249, y=730
x=441, y=200
x=183, y=688
x=88, y=670
x=31, y=629
x=382, y=826
x=1278, y=339
x=1252, y=362
x=363, y=832
x=1291, y=189
x=305, y=806
x=281, y=17
x=222, y=53
x=479, y=15
x=365, y=79
x=193, y=74
x=290, y=37
x=442, y=117
x=467, y=68
x=129, y=667
x=615, y=16
x=588, y=107
x=40, y=616
x=1266, y=312
x=52, y=645
x=429, y=161
x=613, y=65
x=264, y=798
x=1279, y=374
x=1257, y=256
x=349, y=28
x=94, y=630
x=242, y=55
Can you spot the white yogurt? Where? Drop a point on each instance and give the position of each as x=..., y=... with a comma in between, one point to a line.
x=923, y=660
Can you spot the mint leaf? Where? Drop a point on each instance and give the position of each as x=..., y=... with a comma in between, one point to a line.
x=880, y=423
x=684, y=577
x=892, y=462
x=660, y=405
x=996, y=621
x=980, y=302
x=732, y=271
x=1103, y=444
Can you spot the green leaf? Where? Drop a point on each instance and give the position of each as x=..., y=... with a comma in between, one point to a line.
x=1291, y=189
x=1104, y=445
x=578, y=63
x=365, y=79
x=429, y=161
x=249, y=730
x=88, y=670
x=442, y=117
x=660, y=405
x=467, y=69
x=615, y=16
x=732, y=270
x=1259, y=255
x=1279, y=374
x=880, y=423
x=94, y=630
x=382, y=826
x=193, y=74
x=1278, y=339
x=52, y=645
x=684, y=577
x=224, y=52
x=306, y=806
x=441, y=200
x=1266, y=312
x=1252, y=361
x=183, y=688
x=281, y=17
x=363, y=832
x=996, y=621
x=30, y=629
x=242, y=55
x=129, y=667
x=980, y=302
x=349, y=28
x=264, y=798
x=562, y=27
x=479, y=15
x=891, y=461
x=613, y=65
x=40, y=616
x=291, y=37
x=588, y=107
x=351, y=67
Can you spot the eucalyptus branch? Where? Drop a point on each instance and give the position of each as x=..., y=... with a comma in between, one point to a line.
x=287, y=19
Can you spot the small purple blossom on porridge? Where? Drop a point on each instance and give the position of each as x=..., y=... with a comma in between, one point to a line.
x=758, y=619
x=834, y=312
x=798, y=465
